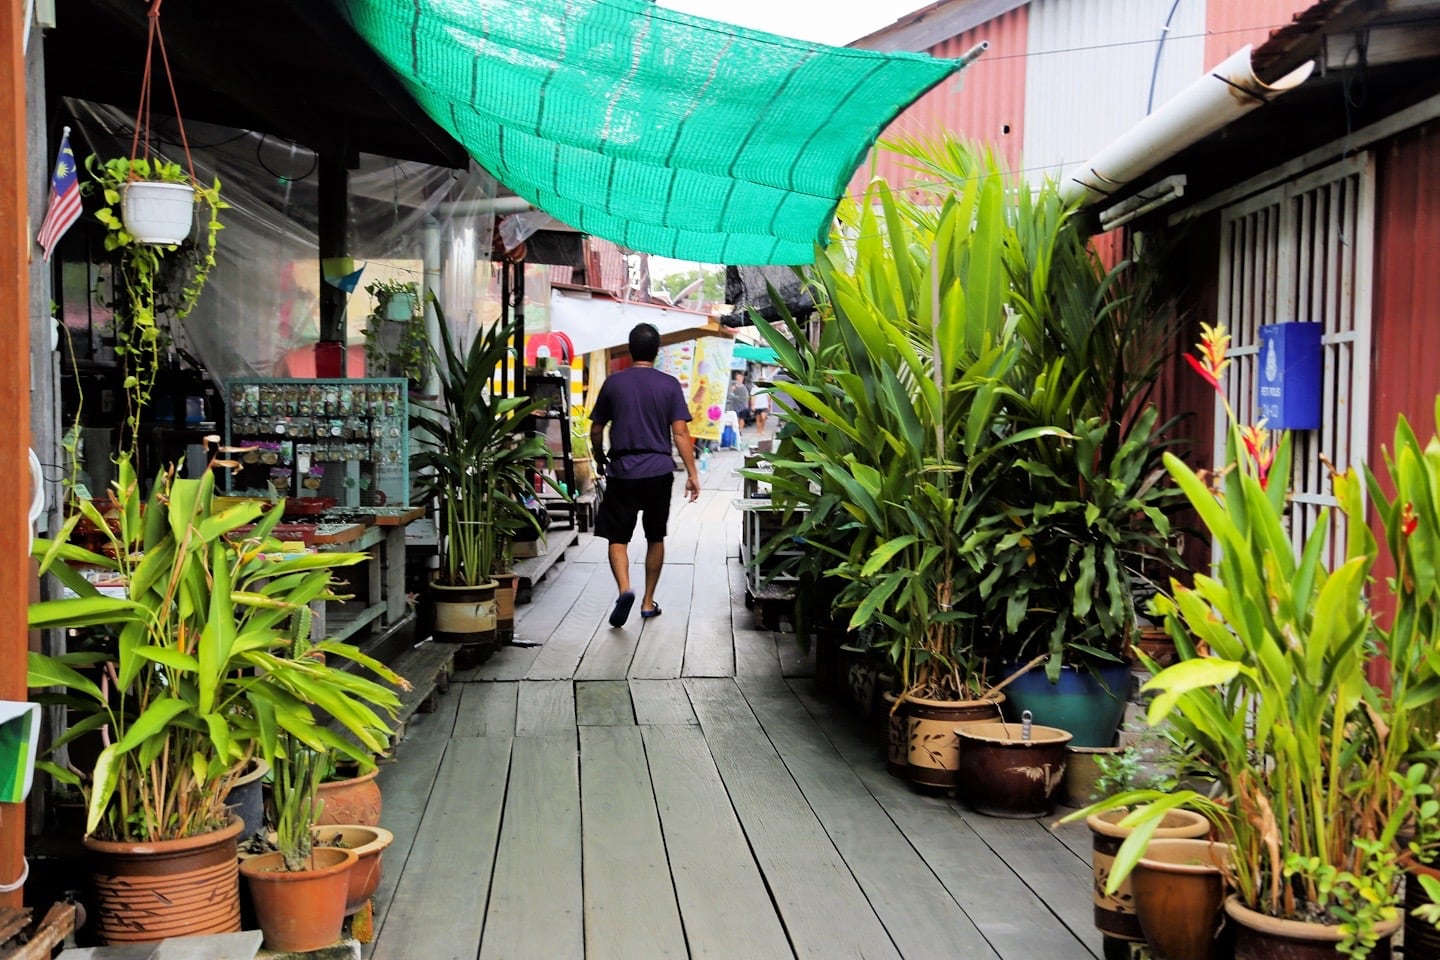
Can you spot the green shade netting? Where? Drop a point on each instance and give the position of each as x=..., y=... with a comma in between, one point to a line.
x=665, y=133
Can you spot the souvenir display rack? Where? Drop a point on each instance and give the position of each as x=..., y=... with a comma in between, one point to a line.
x=345, y=440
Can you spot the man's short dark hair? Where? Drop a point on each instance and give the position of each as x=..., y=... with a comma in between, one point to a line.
x=644, y=343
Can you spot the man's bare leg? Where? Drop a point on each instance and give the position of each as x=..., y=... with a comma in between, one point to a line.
x=620, y=566
x=654, y=561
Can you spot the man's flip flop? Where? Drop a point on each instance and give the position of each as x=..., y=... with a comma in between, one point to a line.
x=652, y=612
x=621, y=613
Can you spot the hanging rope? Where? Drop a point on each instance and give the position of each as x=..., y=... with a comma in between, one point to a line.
x=142, y=112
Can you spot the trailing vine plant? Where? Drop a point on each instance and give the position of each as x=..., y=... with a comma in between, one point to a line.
x=157, y=284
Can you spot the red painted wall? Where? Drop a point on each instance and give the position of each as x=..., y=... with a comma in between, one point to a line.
x=986, y=101
x=1230, y=24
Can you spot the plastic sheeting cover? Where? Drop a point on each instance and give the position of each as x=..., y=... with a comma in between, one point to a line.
x=662, y=132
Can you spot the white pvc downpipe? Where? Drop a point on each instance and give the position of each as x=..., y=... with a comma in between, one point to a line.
x=1218, y=98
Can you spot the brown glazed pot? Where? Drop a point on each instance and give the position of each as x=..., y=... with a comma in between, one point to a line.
x=1082, y=774
x=1259, y=936
x=1004, y=775
x=932, y=750
x=1422, y=940
x=300, y=910
x=169, y=888
x=467, y=616
x=356, y=801
x=896, y=723
x=1179, y=894
x=369, y=844
x=507, y=584
x=1115, y=913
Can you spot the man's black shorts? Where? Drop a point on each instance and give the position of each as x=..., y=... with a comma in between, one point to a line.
x=615, y=521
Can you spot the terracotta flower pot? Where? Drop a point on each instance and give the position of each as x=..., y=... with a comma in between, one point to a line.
x=1005, y=773
x=356, y=801
x=169, y=888
x=300, y=910
x=1115, y=913
x=1259, y=936
x=932, y=750
x=369, y=844
x=1179, y=892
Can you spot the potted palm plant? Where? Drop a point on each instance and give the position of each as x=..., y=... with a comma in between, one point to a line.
x=300, y=890
x=473, y=455
x=905, y=424
x=195, y=682
x=1314, y=760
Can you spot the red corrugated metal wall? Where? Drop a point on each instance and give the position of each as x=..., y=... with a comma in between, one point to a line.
x=985, y=102
x=1230, y=24
x=1407, y=285
x=1406, y=376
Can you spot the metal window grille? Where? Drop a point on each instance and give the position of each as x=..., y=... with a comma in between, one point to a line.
x=1303, y=251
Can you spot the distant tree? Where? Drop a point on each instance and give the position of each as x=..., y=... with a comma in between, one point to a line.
x=711, y=291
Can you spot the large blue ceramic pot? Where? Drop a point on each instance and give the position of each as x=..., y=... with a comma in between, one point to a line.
x=1087, y=701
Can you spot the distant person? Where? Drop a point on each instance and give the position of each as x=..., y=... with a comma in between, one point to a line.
x=760, y=404
x=645, y=409
x=737, y=401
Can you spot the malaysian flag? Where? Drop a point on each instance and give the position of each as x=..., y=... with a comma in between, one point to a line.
x=64, y=207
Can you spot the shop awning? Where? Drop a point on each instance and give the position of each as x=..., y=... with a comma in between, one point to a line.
x=662, y=132
x=745, y=351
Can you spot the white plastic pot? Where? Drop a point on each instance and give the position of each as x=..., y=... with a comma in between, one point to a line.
x=157, y=212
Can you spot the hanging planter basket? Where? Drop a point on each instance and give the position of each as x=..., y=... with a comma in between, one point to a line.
x=398, y=308
x=156, y=212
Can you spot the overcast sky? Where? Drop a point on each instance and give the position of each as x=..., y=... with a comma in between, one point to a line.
x=823, y=21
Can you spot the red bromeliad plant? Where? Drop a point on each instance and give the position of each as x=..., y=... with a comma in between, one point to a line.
x=1273, y=687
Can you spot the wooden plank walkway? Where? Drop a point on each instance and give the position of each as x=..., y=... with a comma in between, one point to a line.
x=679, y=788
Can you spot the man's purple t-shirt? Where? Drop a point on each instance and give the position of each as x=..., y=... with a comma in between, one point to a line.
x=640, y=404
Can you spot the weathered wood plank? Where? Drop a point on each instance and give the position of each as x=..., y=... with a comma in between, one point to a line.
x=611, y=650
x=550, y=602
x=822, y=906
x=1050, y=869
x=567, y=642
x=709, y=636
x=601, y=703
x=661, y=649
x=919, y=913
x=718, y=700
x=630, y=906
x=448, y=872
x=682, y=531
x=795, y=660
x=1015, y=921
x=487, y=709
x=406, y=785
x=726, y=909
x=536, y=907
x=719, y=532
x=545, y=707
x=661, y=702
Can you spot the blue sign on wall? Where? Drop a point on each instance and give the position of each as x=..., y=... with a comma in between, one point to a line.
x=1290, y=374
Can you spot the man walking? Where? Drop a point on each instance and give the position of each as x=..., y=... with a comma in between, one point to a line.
x=645, y=410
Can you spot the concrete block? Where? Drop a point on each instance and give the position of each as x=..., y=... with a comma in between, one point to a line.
x=344, y=950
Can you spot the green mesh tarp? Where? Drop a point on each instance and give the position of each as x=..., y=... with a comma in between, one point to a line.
x=665, y=133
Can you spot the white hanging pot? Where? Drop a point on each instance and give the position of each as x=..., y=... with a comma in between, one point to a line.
x=398, y=307
x=157, y=212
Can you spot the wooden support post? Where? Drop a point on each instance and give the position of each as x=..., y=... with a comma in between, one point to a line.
x=15, y=401
x=334, y=211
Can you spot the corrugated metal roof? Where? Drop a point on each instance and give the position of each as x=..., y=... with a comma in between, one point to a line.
x=1092, y=65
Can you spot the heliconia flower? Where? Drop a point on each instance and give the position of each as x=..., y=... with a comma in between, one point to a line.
x=1214, y=344
x=1409, y=520
x=1257, y=441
